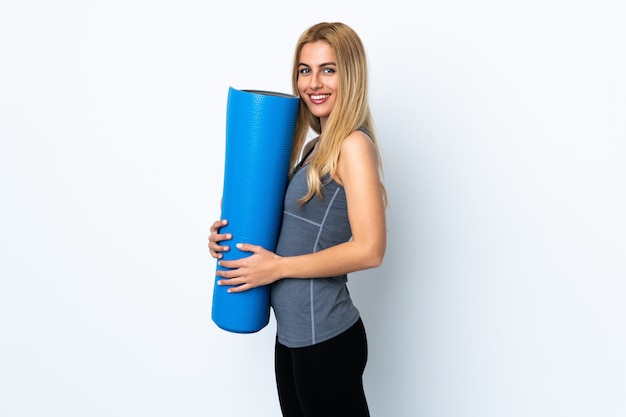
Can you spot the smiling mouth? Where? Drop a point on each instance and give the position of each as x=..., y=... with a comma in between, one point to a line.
x=319, y=97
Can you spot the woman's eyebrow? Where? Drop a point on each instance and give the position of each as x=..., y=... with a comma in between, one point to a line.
x=325, y=64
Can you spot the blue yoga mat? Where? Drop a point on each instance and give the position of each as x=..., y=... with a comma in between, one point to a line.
x=259, y=136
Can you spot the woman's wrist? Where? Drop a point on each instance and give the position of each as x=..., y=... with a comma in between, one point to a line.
x=282, y=267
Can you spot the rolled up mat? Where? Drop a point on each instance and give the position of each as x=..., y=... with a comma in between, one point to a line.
x=259, y=136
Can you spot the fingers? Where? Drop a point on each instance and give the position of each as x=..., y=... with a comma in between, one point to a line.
x=240, y=288
x=216, y=249
x=232, y=266
x=215, y=227
x=236, y=268
x=215, y=238
x=235, y=284
x=247, y=272
x=247, y=247
x=232, y=279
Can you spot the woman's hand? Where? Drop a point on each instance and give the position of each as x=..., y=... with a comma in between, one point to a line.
x=260, y=268
x=216, y=237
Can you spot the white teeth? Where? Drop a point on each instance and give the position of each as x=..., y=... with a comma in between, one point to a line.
x=320, y=97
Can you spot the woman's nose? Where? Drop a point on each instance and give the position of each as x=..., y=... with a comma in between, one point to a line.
x=316, y=81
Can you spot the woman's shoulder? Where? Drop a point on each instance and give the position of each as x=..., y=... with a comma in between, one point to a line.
x=357, y=155
x=358, y=141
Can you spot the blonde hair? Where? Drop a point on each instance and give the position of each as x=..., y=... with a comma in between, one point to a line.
x=350, y=112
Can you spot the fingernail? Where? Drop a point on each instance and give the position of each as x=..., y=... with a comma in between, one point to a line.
x=239, y=245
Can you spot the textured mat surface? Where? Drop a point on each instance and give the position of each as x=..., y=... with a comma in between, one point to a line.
x=259, y=135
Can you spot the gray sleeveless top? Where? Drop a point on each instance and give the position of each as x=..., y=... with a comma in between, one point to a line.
x=310, y=311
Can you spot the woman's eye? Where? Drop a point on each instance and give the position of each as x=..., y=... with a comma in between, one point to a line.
x=329, y=70
x=304, y=71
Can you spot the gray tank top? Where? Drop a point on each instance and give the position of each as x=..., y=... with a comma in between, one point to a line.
x=310, y=311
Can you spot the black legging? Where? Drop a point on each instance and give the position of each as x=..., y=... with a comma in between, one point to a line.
x=324, y=380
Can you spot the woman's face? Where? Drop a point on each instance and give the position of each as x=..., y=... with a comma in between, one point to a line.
x=317, y=78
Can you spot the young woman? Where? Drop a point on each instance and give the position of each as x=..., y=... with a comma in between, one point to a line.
x=333, y=224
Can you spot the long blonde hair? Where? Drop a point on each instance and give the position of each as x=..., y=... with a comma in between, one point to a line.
x=350, y=112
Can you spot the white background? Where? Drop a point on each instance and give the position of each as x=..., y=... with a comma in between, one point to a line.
x=503, y=132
